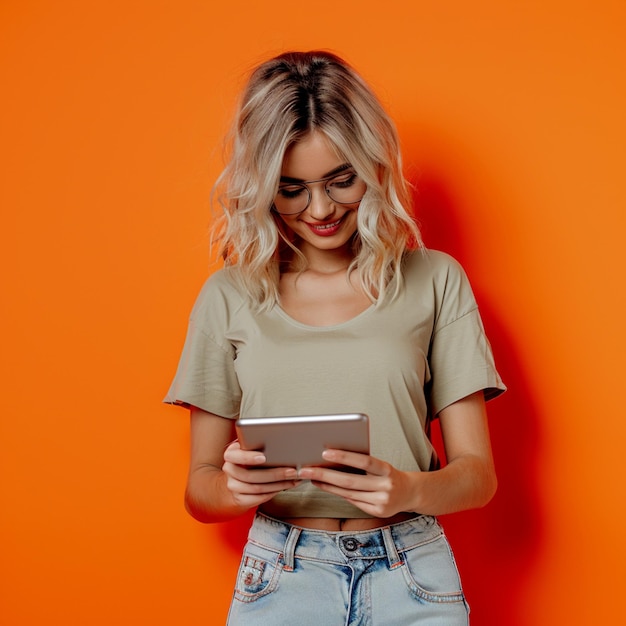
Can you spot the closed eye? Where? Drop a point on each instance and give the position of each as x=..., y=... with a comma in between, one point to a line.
x=344, y=181
x=291, y=191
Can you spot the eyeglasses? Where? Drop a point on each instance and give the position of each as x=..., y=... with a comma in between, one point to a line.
x=343, y=188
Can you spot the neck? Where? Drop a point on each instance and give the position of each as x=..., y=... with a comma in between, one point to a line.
x=327, y=261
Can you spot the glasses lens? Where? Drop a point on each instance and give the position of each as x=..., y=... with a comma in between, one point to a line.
x=347, y=188
x=291, y=199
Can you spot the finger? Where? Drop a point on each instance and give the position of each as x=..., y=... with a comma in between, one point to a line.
x=368, y=464
x=252, y=500
x=242, y=487
x=234, y=454
x=338, y=478
x=257, y=475
x=359, y=498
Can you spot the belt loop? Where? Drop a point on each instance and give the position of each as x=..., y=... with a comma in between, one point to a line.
x=390, y=548
x=290, y=548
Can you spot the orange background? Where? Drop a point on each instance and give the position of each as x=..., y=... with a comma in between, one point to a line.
x=513, y=120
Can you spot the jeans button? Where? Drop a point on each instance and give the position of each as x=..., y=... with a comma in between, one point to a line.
x=350, y=544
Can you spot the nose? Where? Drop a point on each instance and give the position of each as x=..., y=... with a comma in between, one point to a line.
x=321, y=207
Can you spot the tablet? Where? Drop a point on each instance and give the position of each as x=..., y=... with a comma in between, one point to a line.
x=298, y=441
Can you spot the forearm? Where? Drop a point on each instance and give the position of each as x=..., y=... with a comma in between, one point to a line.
x=207, y=498
x=467, y=482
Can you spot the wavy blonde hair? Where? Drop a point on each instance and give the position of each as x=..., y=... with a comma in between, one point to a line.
x=287, y=98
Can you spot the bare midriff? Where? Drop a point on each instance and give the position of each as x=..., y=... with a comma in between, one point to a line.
x=351, y=524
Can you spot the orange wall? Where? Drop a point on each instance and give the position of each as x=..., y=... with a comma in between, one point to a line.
x=512, y=118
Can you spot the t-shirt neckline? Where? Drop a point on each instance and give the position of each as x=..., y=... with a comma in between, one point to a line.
x=298, y=324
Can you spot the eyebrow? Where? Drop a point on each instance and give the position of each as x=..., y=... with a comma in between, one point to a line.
x=337, y=170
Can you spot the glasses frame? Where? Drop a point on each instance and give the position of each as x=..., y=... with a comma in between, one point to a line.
x=325, y=180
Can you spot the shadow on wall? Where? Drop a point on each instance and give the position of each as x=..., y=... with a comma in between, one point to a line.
x=496, y=546
x=235, y=532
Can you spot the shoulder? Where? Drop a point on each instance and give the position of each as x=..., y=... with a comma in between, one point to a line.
x=439, y=278
x=220, y=295
x=223, y=281
x=432, y=266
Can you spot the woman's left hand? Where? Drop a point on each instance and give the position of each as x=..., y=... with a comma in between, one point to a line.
x=467, y=481
x=381, y=492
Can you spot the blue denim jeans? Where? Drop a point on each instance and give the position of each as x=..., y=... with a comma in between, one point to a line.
x=396, y=575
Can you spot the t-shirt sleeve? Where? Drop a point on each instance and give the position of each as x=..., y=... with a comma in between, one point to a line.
x=206, y=376
x=461, y=360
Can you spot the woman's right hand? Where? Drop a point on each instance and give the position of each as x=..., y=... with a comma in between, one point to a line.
x=222, y=483
x=250, y=484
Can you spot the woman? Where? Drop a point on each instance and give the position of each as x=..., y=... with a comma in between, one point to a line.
x=329, y=303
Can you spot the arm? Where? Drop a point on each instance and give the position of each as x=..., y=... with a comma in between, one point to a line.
x=219, y=485
x=467, y=481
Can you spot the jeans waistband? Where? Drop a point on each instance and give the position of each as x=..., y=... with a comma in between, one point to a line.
x=341, y=546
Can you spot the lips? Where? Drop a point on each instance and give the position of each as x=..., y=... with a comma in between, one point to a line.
x=325, y=230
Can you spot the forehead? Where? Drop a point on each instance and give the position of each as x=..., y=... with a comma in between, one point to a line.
x=313, y=157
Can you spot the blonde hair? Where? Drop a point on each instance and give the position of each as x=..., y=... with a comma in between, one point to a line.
x=287, y=98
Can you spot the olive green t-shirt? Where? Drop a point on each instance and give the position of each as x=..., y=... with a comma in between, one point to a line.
x=400, y=363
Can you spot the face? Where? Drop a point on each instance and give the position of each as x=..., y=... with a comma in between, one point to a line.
x=325, y=226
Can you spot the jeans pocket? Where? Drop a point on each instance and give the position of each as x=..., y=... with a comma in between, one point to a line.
x=431, y=574
x=258, y=574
